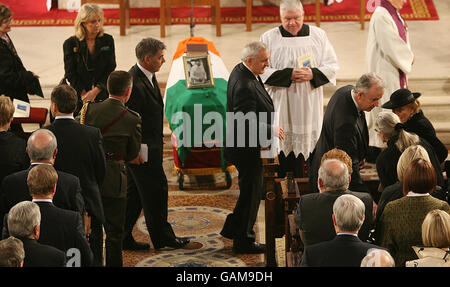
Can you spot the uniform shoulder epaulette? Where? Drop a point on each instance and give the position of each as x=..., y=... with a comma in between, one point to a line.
x=134, y=113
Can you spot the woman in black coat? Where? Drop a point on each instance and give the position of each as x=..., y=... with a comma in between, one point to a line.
x=15, y=81
x=13, y=158
x=406, y=106
x=89, y=56
x=392, y=131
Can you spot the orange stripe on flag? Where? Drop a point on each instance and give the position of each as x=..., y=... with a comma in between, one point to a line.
x=181, y=49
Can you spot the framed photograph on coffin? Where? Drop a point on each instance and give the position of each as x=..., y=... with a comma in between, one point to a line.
x=198, y=72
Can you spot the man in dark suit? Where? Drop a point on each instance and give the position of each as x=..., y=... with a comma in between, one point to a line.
x=147, y=183
x=42, y=149
x=346, y=249
x=60, y=228
x=344, y=127
x=80, y=152
x=24, y=221
x=252, y=108
x=313, y=214
x=121, y=130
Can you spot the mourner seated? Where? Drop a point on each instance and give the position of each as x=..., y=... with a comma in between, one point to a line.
x=401, y=221
x=313, y=214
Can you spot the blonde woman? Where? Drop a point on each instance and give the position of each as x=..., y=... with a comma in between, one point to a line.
x=392, y=131
x=14, y=157
x=401, y=221
x=436, y=239
x=89, y=56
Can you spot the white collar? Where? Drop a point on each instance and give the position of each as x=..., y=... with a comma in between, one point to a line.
x=347, y=233
x=354, y=101
x=36, y=163
x=413, y=194
x=256, y=76
x=147, y=73
x=42, y=200
x=64, y=117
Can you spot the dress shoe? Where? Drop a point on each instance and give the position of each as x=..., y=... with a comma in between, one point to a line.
x=249, y=248
x=177, y=242
x=131, y=244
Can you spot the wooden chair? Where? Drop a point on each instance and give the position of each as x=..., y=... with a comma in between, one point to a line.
x=166, y=17
x=248, y=14
x=124, y=7
x=362, y=13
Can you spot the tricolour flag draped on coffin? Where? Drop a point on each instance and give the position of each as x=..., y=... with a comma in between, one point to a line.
x=195, y=104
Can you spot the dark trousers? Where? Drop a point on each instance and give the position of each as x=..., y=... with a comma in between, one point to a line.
x=239, y=224
x=148, y=190
x=114, y=209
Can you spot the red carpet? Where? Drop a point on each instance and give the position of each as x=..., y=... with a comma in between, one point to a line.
x=34, y=13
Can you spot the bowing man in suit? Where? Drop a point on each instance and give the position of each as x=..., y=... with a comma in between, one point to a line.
x=80, y=152
x=344, y=127
x=147, y=182
x=346, y=249
x=24, y=223
x=42, y=149
x=248, y=98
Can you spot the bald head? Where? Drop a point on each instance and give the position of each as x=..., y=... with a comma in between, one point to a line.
x=333, y=175
x=41, y=146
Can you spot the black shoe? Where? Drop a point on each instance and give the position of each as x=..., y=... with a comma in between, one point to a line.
x=131, y=244
x=251, y=248
x=177, y=242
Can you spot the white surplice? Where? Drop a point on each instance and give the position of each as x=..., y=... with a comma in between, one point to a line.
x=386, y=52
x=299, y=107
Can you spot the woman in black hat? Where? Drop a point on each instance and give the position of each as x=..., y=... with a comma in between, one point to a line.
x=407, y=107
x=392, y=131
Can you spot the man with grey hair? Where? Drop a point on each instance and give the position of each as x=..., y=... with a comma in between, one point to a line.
x=378, y=258
x=24, y=221
x=346, y=249
x=59, y=227
x=246, y=95
x=302, y=61
x=42, y=149
x=344, y=127
x=313, y=213
x=11, y=252
x=147, y=182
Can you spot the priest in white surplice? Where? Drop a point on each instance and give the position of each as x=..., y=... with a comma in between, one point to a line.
x=296, y=88
x=388, y=54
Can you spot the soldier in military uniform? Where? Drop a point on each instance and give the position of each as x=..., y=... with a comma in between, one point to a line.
x=121, y=130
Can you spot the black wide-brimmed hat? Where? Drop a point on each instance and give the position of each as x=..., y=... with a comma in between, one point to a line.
x=400, y=98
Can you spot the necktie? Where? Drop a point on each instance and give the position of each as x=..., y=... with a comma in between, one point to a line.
x=260, y=81
x=154, y=83
x=155, y=86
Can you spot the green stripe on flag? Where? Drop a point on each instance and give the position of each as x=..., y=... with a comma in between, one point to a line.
x=212, y=99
